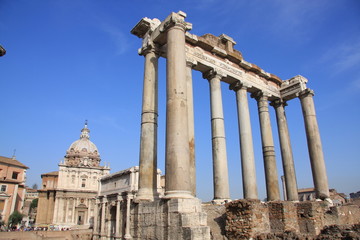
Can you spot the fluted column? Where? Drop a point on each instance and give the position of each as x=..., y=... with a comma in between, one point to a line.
x=246, y=142
x=189, y=90
x=271, y=175
x=178, y=182
x=286, y=152
x=220, y=166
x=148, y=143
x=314, y=144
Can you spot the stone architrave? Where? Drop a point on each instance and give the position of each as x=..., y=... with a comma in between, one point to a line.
x=314, y=144
x=246, y=142
x=271, y=176
x=177, y=180
x=148, y=142
x=220, y=166
x=290, y=183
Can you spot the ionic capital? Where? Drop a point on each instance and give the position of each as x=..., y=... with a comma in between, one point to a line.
x=176, y=20
x=278, y=103
x=148, y=46
x=214, y=73
x=305, y=93
x=261, y=95
x=236, y=86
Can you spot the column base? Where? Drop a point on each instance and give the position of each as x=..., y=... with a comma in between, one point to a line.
x=220, y=201
x=146, y=195
x=127, y=236
x=178, y=194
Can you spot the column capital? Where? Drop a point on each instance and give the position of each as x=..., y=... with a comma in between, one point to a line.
x=278, y=102
x=176, y=20
x=214, y=73
x=260, y=95
x=148, y=46
x=236, y=86
x=306, y=93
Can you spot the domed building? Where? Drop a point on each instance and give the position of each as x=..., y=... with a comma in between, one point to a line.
x=67, y=197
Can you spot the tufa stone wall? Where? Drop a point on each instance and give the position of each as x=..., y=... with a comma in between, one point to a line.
x=246, y=219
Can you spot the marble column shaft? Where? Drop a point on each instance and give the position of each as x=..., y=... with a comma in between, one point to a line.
x=271, y=175
x=178, y=182
x=314, y=144
x=148, y=142
x=220, y=165
x=191, y=128
x=286, y=152
x=246, y=142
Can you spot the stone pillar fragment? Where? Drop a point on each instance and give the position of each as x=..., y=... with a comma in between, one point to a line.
x=189, y=90
x=271, y=176
x=286, y=152
x=148, y=143
x=220, y=166
x=314, y=144
x=246, y=142
x=178, y=182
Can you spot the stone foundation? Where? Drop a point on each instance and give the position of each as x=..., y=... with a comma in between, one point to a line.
x=247, y=219
x=169, y=219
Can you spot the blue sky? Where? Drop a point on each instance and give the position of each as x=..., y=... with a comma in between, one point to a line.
x=68, y=61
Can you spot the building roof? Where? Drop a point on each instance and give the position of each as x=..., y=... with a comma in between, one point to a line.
x=54, y=173
x=12, y=161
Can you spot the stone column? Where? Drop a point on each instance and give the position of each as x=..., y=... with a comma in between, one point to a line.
x=128, y=222
x=178, y=182
x=56, y=211
x=96, y=214
x=117, y=223
x=189, y=90
x=271, y=175
x=220, y=166
x=291, y=192
x=246, y=142
x=103, y=215
x=314, y=144
x=148, y=143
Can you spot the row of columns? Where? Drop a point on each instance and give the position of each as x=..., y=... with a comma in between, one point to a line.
x=101, y=230
x=180, y=155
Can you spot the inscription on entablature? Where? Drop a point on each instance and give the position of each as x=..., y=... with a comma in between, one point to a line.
x=205, y=58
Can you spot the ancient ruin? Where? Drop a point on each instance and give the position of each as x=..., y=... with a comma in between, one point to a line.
x=178, y=214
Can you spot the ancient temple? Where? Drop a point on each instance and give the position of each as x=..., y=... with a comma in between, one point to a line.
x=67, y=197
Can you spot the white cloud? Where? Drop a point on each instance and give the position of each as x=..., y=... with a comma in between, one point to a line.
x=117, y=37
x=344, y=56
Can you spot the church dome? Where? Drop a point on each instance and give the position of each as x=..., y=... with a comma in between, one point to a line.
x=83, y=152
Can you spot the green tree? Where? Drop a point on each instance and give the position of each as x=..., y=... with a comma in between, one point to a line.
x=15, y=218
x=34, y=203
